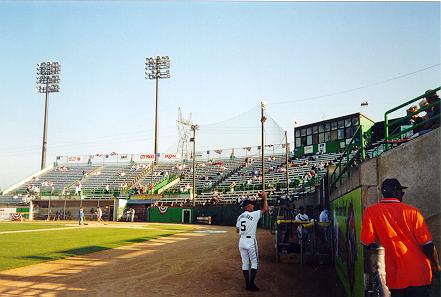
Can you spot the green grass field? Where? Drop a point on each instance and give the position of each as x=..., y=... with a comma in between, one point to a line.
x=27, y=248
x=27, y=226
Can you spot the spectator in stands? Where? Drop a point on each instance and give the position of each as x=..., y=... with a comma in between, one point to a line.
x=78, y=188
x=415, y=119
x=232, y=186
x=324, y=216
x=410, y=255
x=432, y=98
x=292, y=212
x=128, y=214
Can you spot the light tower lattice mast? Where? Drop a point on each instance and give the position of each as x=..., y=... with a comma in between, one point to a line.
x=184, y=134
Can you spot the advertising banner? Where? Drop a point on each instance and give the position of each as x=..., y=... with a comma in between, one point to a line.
x=161, y=156
x=5, y=213
x=347, y=216
x=322, y=147
x=169, y=156
x=309, y=149
x=74, y=159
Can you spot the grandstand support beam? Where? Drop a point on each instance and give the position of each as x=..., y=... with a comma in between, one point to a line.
x=157, y=68
x=287, y=167
x=263, y=120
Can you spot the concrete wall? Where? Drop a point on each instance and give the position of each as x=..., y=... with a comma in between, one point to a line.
x=415, y=164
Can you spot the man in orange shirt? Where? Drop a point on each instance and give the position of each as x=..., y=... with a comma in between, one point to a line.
x=410, y=255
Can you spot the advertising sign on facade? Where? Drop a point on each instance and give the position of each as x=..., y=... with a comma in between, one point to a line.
x=5, y=213
x=322, y=148
x=349, y=261
x=309, y=149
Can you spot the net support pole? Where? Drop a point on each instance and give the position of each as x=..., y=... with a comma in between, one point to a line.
x=287, y=166
x=194, y=166
x=262, y=120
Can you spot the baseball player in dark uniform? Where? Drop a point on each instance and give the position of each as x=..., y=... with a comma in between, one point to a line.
x=246, y=227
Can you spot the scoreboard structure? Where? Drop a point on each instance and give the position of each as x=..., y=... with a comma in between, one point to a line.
x=330, y=136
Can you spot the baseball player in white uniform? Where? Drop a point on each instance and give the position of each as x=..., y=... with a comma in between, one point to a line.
x=246, y=227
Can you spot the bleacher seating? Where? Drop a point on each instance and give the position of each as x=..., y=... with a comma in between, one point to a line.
x=60, y=176
x=217, y=181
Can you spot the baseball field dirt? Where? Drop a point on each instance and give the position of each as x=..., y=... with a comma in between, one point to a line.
x=185, y=264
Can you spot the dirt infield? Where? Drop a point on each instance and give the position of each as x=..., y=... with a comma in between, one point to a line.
x=186, y=264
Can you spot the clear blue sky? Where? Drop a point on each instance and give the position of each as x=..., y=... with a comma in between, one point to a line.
x=225, y=56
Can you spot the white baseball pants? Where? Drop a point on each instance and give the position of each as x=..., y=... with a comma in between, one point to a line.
x=249, y=253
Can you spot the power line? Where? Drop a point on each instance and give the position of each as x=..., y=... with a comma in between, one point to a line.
x=358, y=88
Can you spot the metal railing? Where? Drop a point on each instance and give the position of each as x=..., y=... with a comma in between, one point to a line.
x=340, y=168
x=390, y=138
x=390, y=125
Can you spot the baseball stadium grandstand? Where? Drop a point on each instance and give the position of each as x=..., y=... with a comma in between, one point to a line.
x=336, y=164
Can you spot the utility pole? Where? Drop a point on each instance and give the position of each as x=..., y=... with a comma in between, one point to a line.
x=194, y=128
x=287, y=167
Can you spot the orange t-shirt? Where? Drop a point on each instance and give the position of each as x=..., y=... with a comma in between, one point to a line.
x=402, y=231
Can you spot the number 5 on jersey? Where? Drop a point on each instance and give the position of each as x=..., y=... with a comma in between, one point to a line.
x=243, y=227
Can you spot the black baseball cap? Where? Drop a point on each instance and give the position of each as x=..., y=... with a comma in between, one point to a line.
x=391, y=184
x=245, y=203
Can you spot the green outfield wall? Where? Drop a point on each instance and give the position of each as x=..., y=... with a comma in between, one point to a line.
x=160, y=214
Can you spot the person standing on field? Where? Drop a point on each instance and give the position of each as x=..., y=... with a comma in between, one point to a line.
x=132, y=215
x=99, y=215
x=246, y=227
x=81, y=216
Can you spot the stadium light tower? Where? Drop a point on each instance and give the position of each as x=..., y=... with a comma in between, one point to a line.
x=48, y=81
x=157, y=68
x=263, y=120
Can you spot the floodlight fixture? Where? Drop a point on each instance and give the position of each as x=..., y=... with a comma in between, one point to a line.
x=157, y=68
x=48, y=81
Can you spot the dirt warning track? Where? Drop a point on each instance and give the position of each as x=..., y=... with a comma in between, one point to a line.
x=185, y=264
